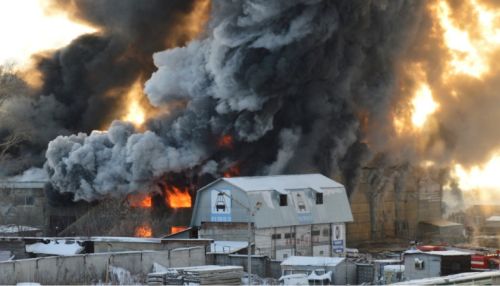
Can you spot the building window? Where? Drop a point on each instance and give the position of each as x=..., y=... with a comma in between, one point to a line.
x=289, y=235
x=419, y=264
x=321, y=252
x=319, y=198
x=326, y=232
x=283, y=200
x=315, y=232
x=276, y=236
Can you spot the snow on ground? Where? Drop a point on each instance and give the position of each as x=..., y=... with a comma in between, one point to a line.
x=54, y=247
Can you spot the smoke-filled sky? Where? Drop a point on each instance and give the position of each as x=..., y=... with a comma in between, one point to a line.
x=261, y=87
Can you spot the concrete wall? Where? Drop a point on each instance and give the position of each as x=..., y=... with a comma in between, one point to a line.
x=92, y=268
x=260, y=264
x=165, y=244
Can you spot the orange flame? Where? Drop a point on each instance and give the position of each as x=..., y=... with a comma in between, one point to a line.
x=177, y=198
x=140, y=200
x=143, y=231
x=226, y=141
x=232, y=171
x=176, y=229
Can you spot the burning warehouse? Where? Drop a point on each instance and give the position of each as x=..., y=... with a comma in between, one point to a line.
x=148, y=101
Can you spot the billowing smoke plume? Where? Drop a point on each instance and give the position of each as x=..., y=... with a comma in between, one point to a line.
x=291, y=83
x=84, y=84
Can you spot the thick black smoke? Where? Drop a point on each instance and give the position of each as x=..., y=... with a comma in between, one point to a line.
x=85, y=83
x=290, y=81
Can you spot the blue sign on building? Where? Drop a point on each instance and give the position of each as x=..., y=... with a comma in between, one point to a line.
x=338, y=246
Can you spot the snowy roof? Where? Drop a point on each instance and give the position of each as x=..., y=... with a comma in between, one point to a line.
x=452, y=279
x=281, y=183
x=439, y=252
x=325, y=276
x=54, y=247
x=12, y=228
x=227, y=246
x=312, y=261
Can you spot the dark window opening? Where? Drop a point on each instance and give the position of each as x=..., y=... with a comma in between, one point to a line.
x=276, y=236
x=283, y=200
x=315, y=232
x=319, y=198
x=419, y=264
x=289, y=235
x=326, y=232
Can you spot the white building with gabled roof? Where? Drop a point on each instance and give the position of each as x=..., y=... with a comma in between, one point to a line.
x=291, y=214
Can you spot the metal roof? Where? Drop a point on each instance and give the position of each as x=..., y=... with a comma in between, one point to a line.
x=301, y=207
x=281, y=183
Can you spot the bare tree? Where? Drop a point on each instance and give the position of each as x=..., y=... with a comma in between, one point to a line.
x=11, y=85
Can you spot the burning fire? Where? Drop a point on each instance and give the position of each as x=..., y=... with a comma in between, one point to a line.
x=135, y=111
x=26, y=29
x=177, y=198
x=469, y=34
x=176, y=229
x=232, y=171
x=423, y=106
x=140, y=200
x=226, y=141
x=143, y=231
x=472, y=43
x=484, y=177
x=193, y=24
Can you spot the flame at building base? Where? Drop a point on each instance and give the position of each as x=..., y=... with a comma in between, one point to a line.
x=143, y=231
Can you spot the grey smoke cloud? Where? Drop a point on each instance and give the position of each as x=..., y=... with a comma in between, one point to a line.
x=84, y=85
x=260, y=69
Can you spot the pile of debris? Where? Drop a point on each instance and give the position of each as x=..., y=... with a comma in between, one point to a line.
x=202, y=275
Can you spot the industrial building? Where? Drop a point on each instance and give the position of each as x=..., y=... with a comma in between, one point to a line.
x=388, y=203
x=420, y=264
x=302, y=215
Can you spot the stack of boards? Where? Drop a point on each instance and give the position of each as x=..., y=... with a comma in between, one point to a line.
x=203, y=275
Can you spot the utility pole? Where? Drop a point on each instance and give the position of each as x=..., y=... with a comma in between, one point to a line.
x=251, y=214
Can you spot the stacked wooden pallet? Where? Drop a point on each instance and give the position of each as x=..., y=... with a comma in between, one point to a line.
x=212, y=275
x=156, y=278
